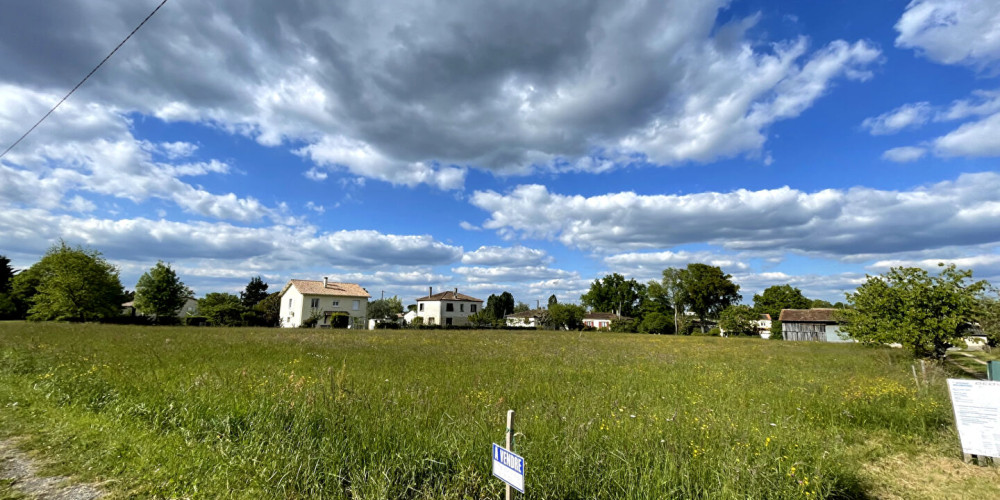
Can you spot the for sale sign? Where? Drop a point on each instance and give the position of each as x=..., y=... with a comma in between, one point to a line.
x=509, y=467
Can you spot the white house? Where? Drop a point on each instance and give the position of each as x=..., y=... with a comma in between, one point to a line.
x=600, y=320
x=327, y=300
x=447, y=308
x=525, y=318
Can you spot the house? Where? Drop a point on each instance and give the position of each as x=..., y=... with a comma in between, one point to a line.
x=190, y=308
x=811, y=324
x=526, y=319
x=763, y=325
x=402, y=319
x=601, y=320
x=447, y=308
x=335, y=305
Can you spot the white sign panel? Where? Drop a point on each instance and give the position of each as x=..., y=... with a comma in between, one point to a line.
x=509, y=467
x=977, y=415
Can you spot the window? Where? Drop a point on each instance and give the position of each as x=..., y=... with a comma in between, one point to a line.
x=447, y=321
x=336, y=303
x=421, y=307
x=449, y=307
x=472, y=308
x=289, y=302
x=461, y=307
x=314, y=303
x=430, y=321
x=356, y=305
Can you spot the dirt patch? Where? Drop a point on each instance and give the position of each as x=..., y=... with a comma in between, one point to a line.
x=20, y=472
x=932, y=477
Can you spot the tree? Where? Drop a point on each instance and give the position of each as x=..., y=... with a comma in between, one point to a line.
x=221, y=309
x=8, y=309
x=657, y=323
x=568, y=316
x=672, y=290
x=482, y=319
x=6, y=274
x=552, y=300
x=23, y=289
x=924, y=313
x=160, y=293
x=988, y=317
x=268, y=311
x=75, y=284
x=521, y=307
x=614, y=294
x=385, y=309
x=738, y=320
x=707, y=291
x=254, y=292
x=655, y=300
x=500, y=305
x=775, y=298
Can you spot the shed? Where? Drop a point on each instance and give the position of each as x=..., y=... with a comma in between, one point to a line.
x=818, y=324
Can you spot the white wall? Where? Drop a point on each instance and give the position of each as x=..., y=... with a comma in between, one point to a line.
x=291, y=314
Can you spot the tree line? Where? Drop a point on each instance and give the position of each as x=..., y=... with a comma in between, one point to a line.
x=924, y=312
x=78, y=284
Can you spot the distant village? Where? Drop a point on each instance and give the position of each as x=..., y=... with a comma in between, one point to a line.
x=77, y=284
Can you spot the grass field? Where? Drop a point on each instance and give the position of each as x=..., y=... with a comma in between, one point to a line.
x=263, y=413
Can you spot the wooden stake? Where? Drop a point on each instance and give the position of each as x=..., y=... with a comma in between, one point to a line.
x=510, y=446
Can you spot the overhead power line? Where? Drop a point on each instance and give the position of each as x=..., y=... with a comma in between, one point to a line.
x=39, y=122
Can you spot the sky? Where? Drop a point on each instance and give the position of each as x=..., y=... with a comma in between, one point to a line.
x=519, y=146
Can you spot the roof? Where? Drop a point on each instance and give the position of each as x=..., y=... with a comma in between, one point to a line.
x=764, y=317
x=818, y=315
x=598, y=315
x=450, y=295
x=534, y=313
x=310, y=287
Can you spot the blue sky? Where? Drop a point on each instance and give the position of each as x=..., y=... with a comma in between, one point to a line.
x=514, y=146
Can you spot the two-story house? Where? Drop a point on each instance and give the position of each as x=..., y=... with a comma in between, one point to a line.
x=335, y=305
x=447, y=308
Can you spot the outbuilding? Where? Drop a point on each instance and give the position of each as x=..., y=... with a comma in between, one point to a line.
x=818, y=324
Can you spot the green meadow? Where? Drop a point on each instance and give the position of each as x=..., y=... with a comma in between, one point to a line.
x=265, y=413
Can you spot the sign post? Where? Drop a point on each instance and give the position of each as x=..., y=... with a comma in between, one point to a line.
x=507, y=465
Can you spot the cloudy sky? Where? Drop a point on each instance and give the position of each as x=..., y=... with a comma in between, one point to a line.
x=514, y=145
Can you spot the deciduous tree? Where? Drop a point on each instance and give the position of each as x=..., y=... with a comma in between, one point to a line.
x=221, y=309
x=707, y=290
x=568, y=316
x=160, y=293
x=738, y=320
x=268, y=311
x=74, y=284
x=614, y=294
x=657, y=323
x=909, y=306
x=385, y=309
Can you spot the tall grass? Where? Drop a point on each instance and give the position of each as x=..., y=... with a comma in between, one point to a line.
x=179, y=412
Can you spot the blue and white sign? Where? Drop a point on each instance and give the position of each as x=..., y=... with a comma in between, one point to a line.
x=509, y=467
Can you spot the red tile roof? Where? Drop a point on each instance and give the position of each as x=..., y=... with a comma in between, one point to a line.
x=310, y=287
x=450, y=295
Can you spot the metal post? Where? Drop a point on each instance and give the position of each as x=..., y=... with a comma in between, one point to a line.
x=510, y=446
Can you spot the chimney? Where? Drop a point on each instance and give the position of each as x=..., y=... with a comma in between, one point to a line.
x=456, y=292
x=326, y=279
x=430, y=291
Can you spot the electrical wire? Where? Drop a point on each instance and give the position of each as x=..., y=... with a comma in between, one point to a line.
x=39, y=122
